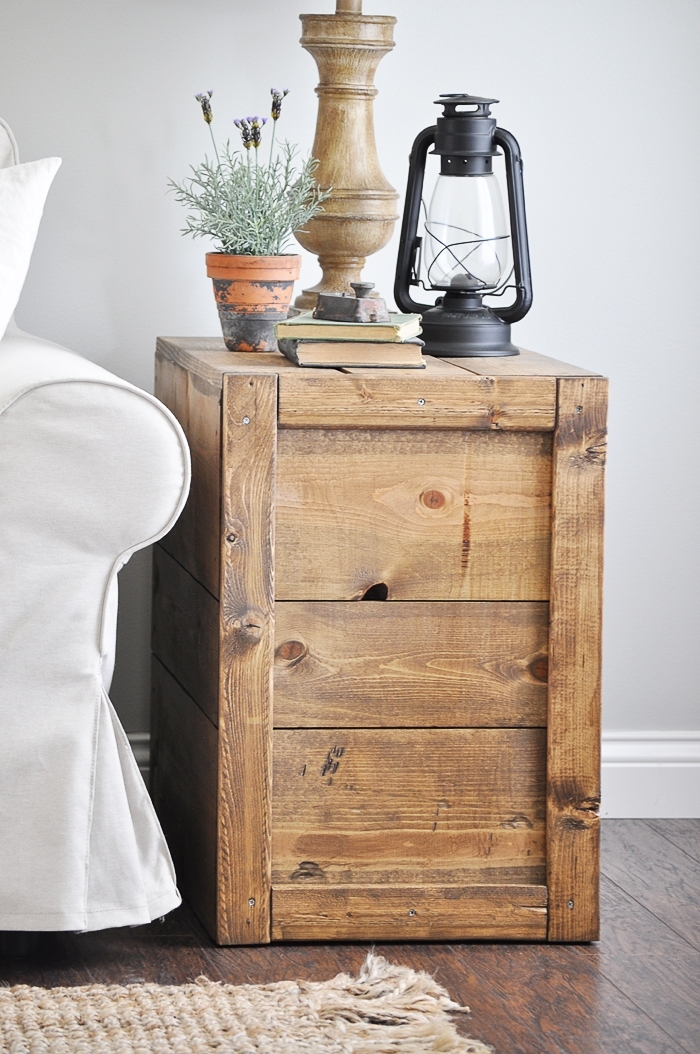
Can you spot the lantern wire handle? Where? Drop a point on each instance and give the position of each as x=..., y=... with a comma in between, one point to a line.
x=499, y=289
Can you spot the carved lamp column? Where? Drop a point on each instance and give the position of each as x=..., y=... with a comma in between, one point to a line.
x=359, y=216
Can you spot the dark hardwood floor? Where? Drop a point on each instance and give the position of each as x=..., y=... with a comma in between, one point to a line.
x=636, y=992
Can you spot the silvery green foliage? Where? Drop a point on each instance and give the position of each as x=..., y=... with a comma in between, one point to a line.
x=250, y=209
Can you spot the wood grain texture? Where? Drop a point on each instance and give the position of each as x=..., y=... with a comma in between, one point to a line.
x=186, y=631
x=184, y=789
x=665, y=878
x=196, y=403
x=667, y=979
x=526, y=364
x=375, y=805
x=573, y=750
x=339, y=400
x=409, y=913
x=246, y=634
x=683, y=833
x=358, y=218
x=410, y=664
x=208, y=358
x=635, y=993
x=432, y=515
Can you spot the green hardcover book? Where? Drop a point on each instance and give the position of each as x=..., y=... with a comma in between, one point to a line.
x=306, y=327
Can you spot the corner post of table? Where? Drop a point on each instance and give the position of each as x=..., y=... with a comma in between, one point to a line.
x=249, y=435
x=573, y=723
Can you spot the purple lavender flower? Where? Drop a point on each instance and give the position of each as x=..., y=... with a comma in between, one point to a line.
x=244, y=126
x=203, y=100
x=257, y=125
x=277, y=97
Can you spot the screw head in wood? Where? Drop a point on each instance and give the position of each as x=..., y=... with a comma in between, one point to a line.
x=246, y=420
x=251, y=902
x=421, y=402
x=412, y=911
x=570, y=904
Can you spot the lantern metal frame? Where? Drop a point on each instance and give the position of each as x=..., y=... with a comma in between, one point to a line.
x=459, y=324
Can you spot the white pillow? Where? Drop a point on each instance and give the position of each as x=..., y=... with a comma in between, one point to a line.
x=23, y=190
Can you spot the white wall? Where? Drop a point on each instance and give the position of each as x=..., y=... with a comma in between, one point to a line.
x=603, y=96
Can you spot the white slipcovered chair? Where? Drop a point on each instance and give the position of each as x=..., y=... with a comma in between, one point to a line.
x=91, y=469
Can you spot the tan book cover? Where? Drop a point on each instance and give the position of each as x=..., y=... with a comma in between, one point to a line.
x=338, y=353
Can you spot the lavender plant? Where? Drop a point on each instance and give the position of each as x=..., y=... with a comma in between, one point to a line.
x=250, y=207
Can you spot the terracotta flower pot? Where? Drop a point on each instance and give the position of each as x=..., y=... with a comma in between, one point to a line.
x=252, y=293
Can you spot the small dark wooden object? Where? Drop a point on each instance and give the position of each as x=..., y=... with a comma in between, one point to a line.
x=340, y=307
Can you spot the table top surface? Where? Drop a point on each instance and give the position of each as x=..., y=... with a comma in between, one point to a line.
x=208, y=358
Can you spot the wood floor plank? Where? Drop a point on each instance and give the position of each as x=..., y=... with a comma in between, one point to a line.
x=162, y=953
x=54, y=961
x=664, y=983
x=685, y=834
x=634, y=993
x=656, y=873
x=558, y=993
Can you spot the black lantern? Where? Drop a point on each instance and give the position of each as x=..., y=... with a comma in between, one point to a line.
x=468, y=250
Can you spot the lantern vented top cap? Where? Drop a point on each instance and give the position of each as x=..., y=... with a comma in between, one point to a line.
x=451, y=102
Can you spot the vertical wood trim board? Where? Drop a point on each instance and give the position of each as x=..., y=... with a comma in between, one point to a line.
x=573, y=734
x=246, y=642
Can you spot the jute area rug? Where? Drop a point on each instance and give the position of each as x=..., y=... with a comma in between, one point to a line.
x=386, y=1009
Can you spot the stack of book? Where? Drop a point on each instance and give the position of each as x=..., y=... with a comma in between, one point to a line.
x=310, y=341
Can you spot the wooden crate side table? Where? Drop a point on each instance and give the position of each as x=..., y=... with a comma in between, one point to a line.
x=376, y=640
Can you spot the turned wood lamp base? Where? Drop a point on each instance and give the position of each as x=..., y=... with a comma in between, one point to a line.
x=360, y=214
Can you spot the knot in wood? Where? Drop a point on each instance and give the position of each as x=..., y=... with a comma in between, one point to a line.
x=291, y=651
x=539, y=669
x=433, y=499
x=251, y=626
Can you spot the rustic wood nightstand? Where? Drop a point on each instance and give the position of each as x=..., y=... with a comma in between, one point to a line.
x=376, y=675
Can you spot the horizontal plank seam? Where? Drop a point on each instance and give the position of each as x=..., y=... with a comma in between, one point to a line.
x=401, y=600
x=180, y=685
x=400, y=728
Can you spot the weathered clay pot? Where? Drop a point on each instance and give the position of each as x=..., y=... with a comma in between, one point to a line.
x=252, y=293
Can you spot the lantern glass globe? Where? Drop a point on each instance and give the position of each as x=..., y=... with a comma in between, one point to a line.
x=467, y=238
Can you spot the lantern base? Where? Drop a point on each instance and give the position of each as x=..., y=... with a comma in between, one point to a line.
x=461, y=326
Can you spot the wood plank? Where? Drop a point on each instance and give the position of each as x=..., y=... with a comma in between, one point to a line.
x=659, y=876
x=409, y=913
x=432, y=515
x=526, y=364
x=573, y=751
x=186, y=631
x=650, y=963
x=247, y=643
x=376, y=805
x=194, y=540
x=209, y=359
x=184, y=789
x=559, y=994
x=330, y=399
x=411, y=664
x=683, y=833
x=509, y=852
